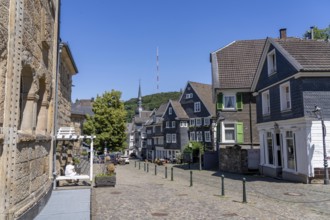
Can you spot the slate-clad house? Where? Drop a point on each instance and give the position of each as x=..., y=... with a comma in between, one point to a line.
x=233, y=69
x=175, y=128
x=293, y=77
x=196, y=100
x=154, y=130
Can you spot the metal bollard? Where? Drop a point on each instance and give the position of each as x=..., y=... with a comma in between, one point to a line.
x=155, y=170
x=144, y=166
x=222, y=185
x=244, y=191
x=135, y=164
x=147, y=167
x=171, y=173
x=165, y=172
x=191, y=178
x=139, y=165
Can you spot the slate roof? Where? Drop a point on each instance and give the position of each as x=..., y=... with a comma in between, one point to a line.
x=144, y=117
x=82, y=107
x=237, y=63
x=204, y=92
x=312, y=55
x=179, y=111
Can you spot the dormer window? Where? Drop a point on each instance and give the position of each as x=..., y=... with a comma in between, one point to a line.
x=271, y=62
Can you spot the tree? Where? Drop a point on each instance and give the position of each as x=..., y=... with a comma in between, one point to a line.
x=108, y=122
x=196, y=148
x=318, y=33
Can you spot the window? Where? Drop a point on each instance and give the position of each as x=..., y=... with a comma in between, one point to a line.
x=229, y=102
x=229, y=132
x=168, y=138
x=148, y=131
x=265, y=103
x=270, y=157
x=206, y=121
x=183, y=124
x=170, y=110
x=192, y=136
x=198, y=122
x=149, y=142
x=167, y=124
x=153, y=129
x=197, y=107
x=173, y=138
x=173, y=124
x=199, y=136
x=271, y=62
x=192, y=122
x=285, y=96
x=291, y=150
x=207, y=136
x=189, y=95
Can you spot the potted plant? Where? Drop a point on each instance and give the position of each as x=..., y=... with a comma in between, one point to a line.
x=107, y=178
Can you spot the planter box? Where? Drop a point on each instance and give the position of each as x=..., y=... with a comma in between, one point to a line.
x=105, y=181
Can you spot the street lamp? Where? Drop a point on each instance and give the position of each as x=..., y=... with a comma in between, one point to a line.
x=318, y=113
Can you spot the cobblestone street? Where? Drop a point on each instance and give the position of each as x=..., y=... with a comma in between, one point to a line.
x=143, y=195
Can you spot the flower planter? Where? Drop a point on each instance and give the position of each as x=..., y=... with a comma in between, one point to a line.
x=105, y=181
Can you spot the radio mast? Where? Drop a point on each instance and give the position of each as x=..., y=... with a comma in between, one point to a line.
x=157, y=71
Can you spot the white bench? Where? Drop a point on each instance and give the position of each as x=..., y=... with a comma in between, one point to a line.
x=76, y=177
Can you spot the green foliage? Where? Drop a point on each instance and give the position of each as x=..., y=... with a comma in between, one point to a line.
x=319, y=34
x=108, y=122
x=194, y=147
x=149, y=102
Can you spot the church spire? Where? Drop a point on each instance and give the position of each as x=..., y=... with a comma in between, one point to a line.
x=139, y=108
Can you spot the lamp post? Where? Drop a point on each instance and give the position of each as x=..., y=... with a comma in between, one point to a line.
x=318, y=113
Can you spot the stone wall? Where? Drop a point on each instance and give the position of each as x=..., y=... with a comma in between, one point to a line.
x=233, y=159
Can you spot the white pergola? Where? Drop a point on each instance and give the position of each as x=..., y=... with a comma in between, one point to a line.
x=69, y=134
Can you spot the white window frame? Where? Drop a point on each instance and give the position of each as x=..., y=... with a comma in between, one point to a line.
x=207, y=136
x=265, y=99
x=289, y=135
x=224, y=129
x=197, y=107
x=269, y=136
x=192, y=136
x=199, y=136
x=225, y=97
x=271, y=62
x=183, y=124
x=207, y=121
x=189, y=95
x=173, y=138
x=168, y=138
x=170, y=110
x=167, y=124
x=285, y=96
x=198, y=122
x=173, y=124
x=192, y=122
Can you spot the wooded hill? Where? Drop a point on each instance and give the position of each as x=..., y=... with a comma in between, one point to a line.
x=149, y=102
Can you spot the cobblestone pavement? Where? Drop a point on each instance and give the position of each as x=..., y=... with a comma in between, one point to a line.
x=143, y=195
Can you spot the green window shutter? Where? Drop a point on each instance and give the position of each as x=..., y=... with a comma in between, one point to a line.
x=219, y=102
x=239, y=101
x=239, y=132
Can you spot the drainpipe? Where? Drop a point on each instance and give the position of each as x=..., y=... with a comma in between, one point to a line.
x=58, y=61
x=250, y=115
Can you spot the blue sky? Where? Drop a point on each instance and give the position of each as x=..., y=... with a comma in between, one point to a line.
x=114, y=42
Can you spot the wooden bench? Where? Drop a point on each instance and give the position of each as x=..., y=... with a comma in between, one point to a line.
x=76, y=177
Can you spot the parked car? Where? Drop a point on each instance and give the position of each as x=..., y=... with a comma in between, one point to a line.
x=124, y=159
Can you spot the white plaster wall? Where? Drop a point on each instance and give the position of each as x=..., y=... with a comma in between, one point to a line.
x=317, y=143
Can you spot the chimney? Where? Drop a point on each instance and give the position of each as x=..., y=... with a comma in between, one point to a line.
x=312, y=33
x=282, y=33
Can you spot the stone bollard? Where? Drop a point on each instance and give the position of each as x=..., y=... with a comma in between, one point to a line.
x=135, y=164
x=144, y=167
x=222, y=185
x=244, y=191
x=155, y=170
x=171, y=173
x=147, y=167
x=165, y=172
x=191, y=178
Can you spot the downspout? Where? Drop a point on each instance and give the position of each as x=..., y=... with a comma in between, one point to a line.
x=251, y=130
x=58, y=61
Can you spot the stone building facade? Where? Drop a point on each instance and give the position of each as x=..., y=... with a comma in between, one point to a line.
x=28, y=64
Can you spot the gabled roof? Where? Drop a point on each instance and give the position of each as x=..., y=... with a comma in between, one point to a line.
x=234, y=66
x=177, y=108
x=160, y=111
x=204, y=92
x=304, y=54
